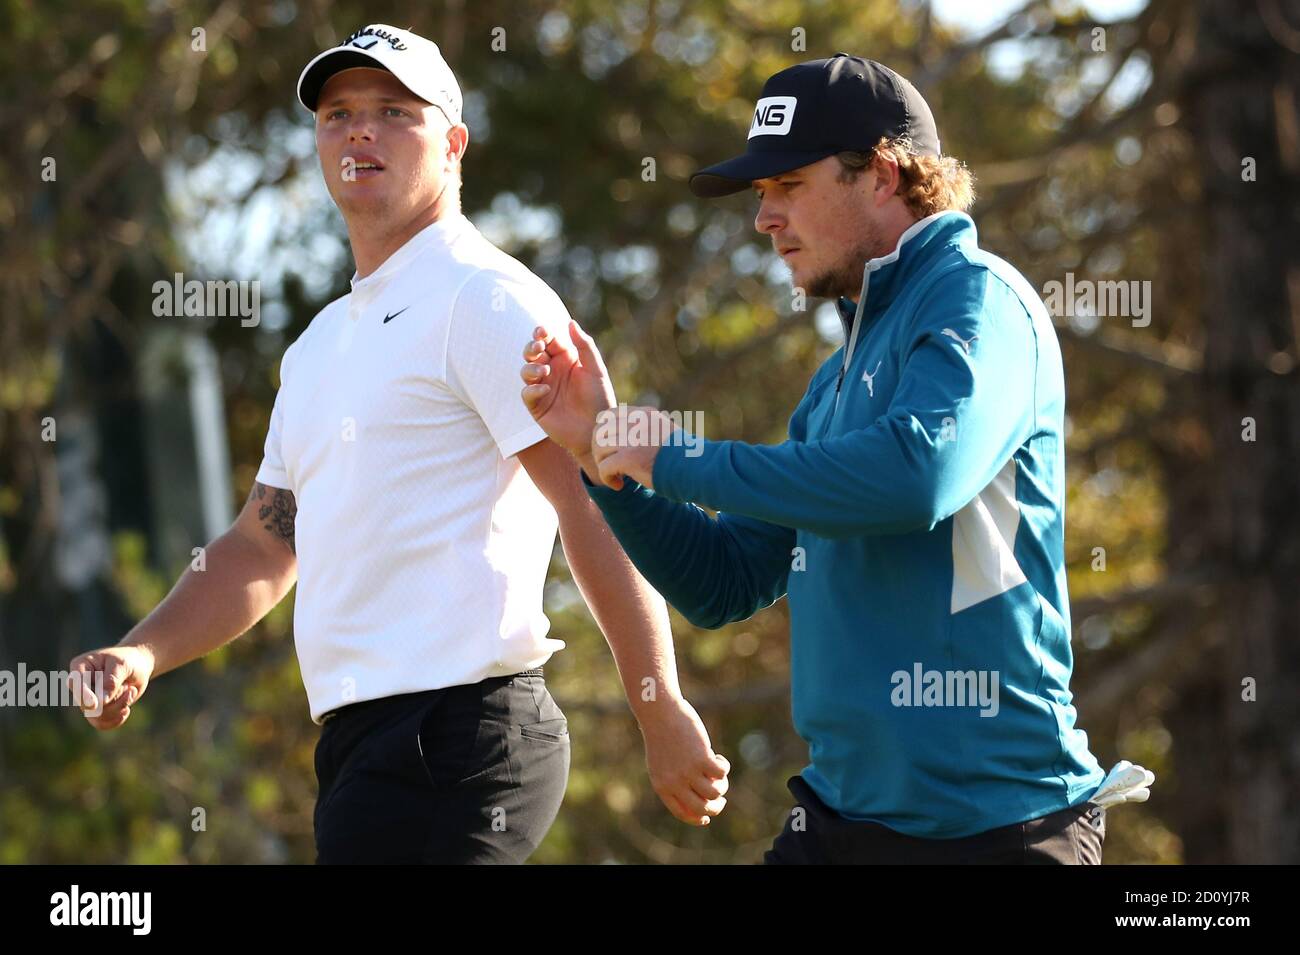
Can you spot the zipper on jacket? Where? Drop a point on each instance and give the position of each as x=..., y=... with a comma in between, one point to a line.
x=853, y=334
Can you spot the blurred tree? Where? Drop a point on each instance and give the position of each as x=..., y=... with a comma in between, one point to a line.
x=1106, y=151
x=1235, y=725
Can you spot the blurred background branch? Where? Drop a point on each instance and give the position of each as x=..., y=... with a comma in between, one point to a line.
x=1139, y=142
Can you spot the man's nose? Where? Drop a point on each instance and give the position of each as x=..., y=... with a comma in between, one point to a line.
x=769, y=218
x=362, y=127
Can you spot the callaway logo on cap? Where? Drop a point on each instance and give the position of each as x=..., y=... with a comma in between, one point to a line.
x=414, y=60
x=816, y=109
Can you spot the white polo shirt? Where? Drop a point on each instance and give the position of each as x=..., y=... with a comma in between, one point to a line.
x=422, y=543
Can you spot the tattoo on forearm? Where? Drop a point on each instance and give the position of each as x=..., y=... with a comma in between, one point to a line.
x=277, y=510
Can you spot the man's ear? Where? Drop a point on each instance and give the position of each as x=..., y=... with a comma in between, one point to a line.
x=886, y=177
x=457, y=141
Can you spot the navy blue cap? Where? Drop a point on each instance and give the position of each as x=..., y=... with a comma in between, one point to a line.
x=819, y=108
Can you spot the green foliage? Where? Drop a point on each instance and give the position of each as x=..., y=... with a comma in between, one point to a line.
x=584, y=93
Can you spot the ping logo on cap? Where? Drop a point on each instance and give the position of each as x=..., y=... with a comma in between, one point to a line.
x=773, y=116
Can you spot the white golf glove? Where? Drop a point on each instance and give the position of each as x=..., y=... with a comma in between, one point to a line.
x=1125, y=782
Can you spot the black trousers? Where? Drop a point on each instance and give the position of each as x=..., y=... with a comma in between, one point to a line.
x=465, y=774
x=815, y=834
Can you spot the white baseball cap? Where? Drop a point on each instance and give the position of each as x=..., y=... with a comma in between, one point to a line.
x=414, y=60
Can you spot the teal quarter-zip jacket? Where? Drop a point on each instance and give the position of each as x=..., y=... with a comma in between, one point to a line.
x=915, y=518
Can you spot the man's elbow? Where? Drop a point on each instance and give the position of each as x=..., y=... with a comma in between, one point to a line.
x=709, y=614
x=926, y=507
x=916, y=506
x=704, y=618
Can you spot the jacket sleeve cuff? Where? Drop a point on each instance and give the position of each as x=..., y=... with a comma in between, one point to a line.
x=607, y=496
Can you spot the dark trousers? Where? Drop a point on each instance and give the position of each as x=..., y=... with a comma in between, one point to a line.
x=815, y=834
x=465, y=774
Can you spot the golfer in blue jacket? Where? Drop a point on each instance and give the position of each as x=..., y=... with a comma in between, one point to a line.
x=915, y=516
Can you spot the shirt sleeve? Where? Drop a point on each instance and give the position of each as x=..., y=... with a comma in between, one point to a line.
x=492, y=319
x=965, y=402
x=714, y=570
x=273, y=473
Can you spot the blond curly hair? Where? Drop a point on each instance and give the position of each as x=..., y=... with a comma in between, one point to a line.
x=927, y=184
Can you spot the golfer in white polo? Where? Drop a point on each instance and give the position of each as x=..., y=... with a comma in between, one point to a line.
x=415, y=501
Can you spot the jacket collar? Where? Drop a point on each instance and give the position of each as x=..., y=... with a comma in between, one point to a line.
x=884, y=276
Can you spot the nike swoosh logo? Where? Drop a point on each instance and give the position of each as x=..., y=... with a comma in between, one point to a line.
x=388, y=318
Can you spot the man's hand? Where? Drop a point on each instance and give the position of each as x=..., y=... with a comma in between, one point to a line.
x=126, y=671
x=626, y=442
x=687, y=775
x=565, y=388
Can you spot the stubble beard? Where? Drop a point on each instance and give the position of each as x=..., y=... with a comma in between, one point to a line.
x=845, y=277
x=368, y=213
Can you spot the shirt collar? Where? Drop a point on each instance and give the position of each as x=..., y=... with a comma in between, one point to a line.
x=439, y=232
